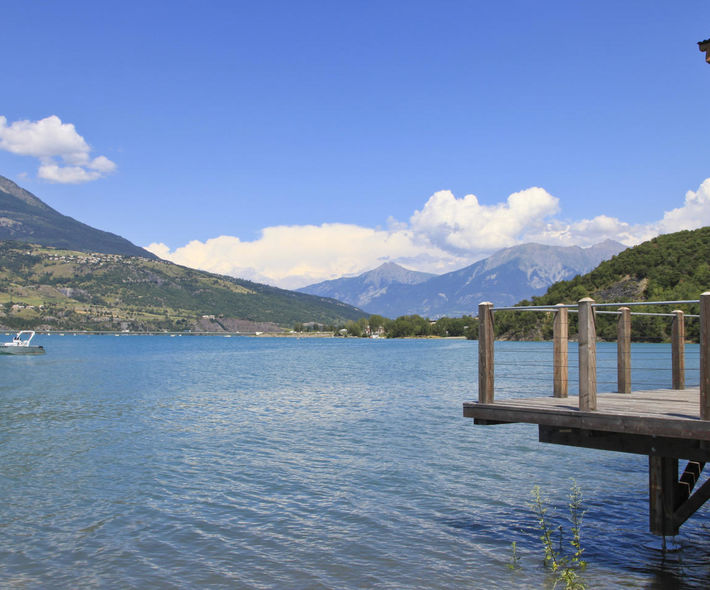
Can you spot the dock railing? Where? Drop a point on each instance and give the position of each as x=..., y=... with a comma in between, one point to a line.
x=587, y=310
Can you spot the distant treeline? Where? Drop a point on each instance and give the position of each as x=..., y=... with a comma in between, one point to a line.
x=406, y=326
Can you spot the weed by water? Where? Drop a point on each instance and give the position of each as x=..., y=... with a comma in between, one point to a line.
x=565, y=562
x=514, y=563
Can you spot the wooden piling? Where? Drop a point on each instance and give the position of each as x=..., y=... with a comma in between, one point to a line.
x=587, y=356
x=663, y=489
x=560, y=362
x=485, y=353
x=678, y=349
x=705, y=356
x=623, y=351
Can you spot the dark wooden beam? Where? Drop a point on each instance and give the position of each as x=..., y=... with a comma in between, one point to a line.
x=689, y=478
x=481, y=422
x=678, y=448
x=691, y=505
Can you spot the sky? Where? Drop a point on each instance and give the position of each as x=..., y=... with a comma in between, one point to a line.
x=294, y=142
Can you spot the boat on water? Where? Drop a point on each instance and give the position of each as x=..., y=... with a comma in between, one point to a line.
x=20, y=344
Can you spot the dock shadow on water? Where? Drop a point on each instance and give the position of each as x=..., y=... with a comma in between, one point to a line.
x=161, y=462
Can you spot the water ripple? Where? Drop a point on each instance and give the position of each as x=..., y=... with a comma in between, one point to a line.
x=206, y=462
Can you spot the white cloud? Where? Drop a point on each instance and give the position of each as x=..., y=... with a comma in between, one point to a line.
x=694, y=213
x=102, y=164
x=66, y=174
x=295, y=256
x=464, y=225
x=587, y=232
x=64, y=155
x=446, y=234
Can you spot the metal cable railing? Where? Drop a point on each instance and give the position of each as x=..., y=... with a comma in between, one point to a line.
x=650, y=365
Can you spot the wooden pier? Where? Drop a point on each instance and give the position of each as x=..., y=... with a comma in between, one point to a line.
x=667, y=425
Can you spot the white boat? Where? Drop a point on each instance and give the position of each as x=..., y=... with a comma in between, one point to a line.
x=20, y=344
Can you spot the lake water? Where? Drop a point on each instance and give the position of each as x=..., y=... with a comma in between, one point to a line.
x=158, y=462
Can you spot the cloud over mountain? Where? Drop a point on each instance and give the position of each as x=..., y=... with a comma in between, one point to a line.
x=64, y=155
x=465, y=225
x=447, y=233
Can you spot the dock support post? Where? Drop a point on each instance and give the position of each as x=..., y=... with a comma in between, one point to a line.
x=678, y=349
x=587, y=356
x=663, y=500
x=623, y=351
x=705, y=356
x=485, y=353
x=560, y=365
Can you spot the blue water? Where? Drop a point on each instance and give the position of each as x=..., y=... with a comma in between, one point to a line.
x=158, y=462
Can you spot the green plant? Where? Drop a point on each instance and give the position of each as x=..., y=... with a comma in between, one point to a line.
x=514, y=557
x=565, y=565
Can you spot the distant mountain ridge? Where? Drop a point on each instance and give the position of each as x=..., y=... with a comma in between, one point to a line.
x=25, y=218
x=505, y=278
x=362, y=289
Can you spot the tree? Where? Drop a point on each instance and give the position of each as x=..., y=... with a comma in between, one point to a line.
x=353, y=329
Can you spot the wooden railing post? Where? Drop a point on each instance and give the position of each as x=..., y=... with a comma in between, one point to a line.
x=705, y=356
x=485, y=353
x=623, y=351
x=560, y=365
x=678, y=349
x=587, y=356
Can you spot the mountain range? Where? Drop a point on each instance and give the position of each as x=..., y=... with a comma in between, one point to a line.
x=69, y=281
x=505, y=278
x=370, y=286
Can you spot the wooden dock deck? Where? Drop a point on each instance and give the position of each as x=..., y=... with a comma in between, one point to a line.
x=659, y=412
x=665, y=424
x=657, y=423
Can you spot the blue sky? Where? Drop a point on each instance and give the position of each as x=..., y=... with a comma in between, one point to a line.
x=291, y=142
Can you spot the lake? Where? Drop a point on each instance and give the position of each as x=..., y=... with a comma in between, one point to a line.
x=184, y=462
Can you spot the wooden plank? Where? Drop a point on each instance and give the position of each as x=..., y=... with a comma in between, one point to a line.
x=643, y=403
x=666, y=412
x=674, y=428
x=675, y=412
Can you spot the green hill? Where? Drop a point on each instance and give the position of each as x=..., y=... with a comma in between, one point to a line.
x=25, y=218
x=48, y=288
x=670, y=267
